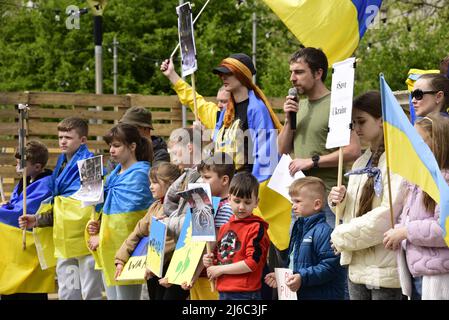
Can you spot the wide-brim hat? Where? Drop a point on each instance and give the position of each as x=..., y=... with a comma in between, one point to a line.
x=138, y=116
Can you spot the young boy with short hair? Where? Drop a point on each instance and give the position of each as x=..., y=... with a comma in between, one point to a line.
x=216, y=170
x=77, y=278
x=317, y=273
x=38, y=182
x=242, y=244
x=25, y=280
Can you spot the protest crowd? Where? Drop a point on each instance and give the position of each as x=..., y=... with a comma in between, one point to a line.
x=238, y=205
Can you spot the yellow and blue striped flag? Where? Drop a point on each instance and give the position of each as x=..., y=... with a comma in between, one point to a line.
x=409, y=156
x=334, y=26
x=22, y=271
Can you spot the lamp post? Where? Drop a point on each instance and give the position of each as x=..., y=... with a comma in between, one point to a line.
x=97, y=9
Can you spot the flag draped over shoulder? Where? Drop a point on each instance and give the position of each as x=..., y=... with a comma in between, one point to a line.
x=69, y=218
x=127, y=199
x=67, y=182
x=20, y=271
x=335, y=26
x=273, y=207
x=409, y=156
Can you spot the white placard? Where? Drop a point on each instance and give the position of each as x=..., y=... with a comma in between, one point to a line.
x=205, y=186
x=91, y=191
x=281, y=179
x=186, y=39
x=284, y=293
x=340, y=114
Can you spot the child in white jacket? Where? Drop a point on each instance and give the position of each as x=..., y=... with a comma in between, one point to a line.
x=366, y=211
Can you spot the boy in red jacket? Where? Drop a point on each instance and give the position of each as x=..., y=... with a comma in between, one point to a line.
x=242, y=245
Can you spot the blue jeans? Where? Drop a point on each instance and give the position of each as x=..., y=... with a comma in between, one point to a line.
x=251, y=295
x=330, y=219
x=330, y=216
x=416, y=288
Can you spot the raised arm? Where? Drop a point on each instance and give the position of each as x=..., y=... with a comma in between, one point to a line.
x=207, y=111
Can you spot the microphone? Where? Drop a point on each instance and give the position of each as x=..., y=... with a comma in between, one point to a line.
x=292, y=115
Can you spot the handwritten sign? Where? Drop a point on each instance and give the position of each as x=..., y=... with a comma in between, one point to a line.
x=284, y=293
x=186, y=256
x=340, y=114
x=134, y=269
x=156, y=246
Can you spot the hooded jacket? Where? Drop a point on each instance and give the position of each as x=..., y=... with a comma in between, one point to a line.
x=322, y=276
x=242, y=240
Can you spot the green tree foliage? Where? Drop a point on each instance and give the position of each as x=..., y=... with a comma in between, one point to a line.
x=39, y=53
x=409, y=34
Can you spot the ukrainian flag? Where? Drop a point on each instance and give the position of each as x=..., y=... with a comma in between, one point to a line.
x=414, y=74
x=335, y=26
x=20, y=270
x=127, y=199
x=409, y=156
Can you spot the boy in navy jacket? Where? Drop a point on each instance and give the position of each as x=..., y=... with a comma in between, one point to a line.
x=317, y=273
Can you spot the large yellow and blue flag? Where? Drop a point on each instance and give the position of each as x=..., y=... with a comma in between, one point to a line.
x=334, y=26
x=21, y=270
x=409, y=156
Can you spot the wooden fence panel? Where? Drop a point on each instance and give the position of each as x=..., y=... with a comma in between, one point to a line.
x=48, y=108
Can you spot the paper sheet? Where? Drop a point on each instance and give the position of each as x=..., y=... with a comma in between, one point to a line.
x=281, y=179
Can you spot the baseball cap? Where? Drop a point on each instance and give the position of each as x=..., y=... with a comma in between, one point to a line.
x=243, y=58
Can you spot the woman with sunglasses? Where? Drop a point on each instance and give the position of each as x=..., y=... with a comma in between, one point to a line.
x=431, y=94
x=366, y=210
x=424, y=269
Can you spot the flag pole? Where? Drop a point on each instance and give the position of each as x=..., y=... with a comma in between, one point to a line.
x=390, y=201
x=22, y=150
x=2, y=192
x=389, y=198
x=387, y=155
x=194, y=20
x=339, y=183
x=212, y=282
x=195, y=111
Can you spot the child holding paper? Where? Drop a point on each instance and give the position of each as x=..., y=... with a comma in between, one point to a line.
x=161, y=177
x=366, y=210
x=317, y=274
x=242, y=245
x=77, y=277
x=127, y=199
x=218, y=171
x=185, y=151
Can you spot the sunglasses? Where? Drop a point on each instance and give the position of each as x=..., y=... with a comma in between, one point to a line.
x=418, y=94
